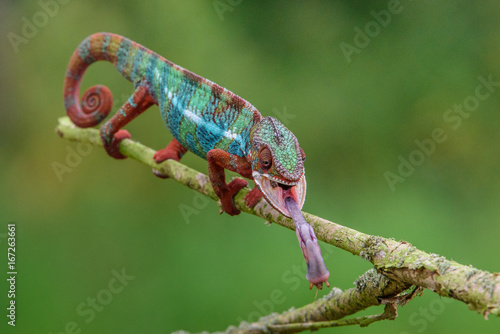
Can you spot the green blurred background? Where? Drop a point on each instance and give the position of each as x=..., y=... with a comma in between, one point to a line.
x=354, y=119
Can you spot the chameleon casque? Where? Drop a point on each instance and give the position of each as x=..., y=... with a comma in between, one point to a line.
x=203, y=118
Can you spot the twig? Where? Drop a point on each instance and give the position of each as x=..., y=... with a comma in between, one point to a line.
x=390, y=313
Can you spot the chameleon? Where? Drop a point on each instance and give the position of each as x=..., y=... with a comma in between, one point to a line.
x=203, y=117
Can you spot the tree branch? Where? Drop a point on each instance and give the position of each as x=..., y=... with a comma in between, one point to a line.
x=390, y=313
x=401, y=264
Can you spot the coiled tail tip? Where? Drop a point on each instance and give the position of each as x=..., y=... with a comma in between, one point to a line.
x=95, y=106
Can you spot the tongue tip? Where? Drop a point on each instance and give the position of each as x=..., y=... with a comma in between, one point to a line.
x=319, y=279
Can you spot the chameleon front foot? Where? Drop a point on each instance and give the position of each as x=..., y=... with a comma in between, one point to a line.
x=253, y=197
x=226, y=197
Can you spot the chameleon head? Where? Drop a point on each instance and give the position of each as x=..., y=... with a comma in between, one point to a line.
x=277, y=164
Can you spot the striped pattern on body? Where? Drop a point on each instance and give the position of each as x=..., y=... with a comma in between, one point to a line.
x=200, y=114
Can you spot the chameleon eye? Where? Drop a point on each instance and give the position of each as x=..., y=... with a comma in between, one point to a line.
x=266, y=158
x=303, y=154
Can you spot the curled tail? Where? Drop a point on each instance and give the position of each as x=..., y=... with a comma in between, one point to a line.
x=97, y=101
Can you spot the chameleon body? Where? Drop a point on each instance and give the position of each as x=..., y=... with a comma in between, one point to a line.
x=203, y=118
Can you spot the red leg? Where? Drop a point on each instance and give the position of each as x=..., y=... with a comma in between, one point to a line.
x=253, y=197
x=174, y=151
x=217, y=161
x=111, y=134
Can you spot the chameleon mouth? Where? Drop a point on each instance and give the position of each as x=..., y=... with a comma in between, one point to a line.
x=276, y=191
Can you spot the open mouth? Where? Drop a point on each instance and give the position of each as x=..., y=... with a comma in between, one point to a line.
x=276, y=191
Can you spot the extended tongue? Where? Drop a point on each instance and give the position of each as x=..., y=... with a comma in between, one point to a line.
x=317, y=274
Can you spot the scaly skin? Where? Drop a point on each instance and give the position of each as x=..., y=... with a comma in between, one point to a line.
x=203, y=117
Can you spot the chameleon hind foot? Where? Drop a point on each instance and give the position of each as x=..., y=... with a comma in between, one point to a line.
x=111, y=132
x=113, y=147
